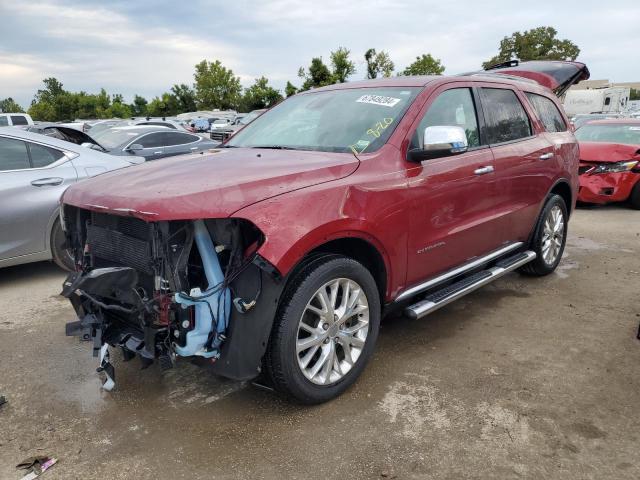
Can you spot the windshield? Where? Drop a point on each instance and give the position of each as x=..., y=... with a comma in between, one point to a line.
x=115, y=137
x=249, y=117
x=620, y=133
x=351, y=120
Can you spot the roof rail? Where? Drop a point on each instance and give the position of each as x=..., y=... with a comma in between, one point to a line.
x=502, y=75
x=507, y=64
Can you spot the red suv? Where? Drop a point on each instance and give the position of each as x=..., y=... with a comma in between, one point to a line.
x=277, y=255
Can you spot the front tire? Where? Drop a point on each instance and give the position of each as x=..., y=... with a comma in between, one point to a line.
x=60, y=255
x=549, y=238
x=634, y=198
x=325, y=330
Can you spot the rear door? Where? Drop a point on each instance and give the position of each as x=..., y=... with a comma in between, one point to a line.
x=177, y=143
x=153, y=145
x=32, y=179
x=452, y=198
x=524, y=167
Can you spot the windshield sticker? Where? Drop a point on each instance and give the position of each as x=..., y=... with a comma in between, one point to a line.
x=379, y=127
x=359, y=146
x=379, y=100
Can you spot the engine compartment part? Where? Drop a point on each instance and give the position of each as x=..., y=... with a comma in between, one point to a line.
x=165, y=290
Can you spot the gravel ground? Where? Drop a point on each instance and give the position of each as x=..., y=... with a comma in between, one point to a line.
x=526, y=378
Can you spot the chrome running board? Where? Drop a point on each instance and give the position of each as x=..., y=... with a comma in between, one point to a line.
x=471, y=265
x=459, y=289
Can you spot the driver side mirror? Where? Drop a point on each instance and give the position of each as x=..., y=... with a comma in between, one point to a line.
x=136, y=147
x=440, y=141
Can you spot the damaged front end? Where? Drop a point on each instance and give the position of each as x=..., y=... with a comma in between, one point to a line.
x=168, y=289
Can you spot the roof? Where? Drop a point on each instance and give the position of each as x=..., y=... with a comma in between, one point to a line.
x=615, y=121
x=142, y=128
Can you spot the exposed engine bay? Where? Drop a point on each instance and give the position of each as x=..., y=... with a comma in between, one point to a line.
x=169, y=289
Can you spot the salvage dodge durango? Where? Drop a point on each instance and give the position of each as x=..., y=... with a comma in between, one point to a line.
x=276, y=256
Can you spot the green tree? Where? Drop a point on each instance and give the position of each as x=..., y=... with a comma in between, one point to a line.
x=536, y=44
x=634, y=94
x=8, y=105
x=186, y=97
x=424, y=65
x=164, y=106
x=290, y=89
x=317, y=75
x=343, y=68
x=139, y=106
x=259, y=95
x=378, y=63
x=216, y=86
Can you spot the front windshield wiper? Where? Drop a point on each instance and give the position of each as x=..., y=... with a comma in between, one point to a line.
x=276, y=147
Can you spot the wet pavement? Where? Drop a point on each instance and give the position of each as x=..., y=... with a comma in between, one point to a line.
x=526, y=378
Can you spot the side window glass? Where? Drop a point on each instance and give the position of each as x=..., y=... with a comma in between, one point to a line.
x=548, y=112
x=505, y=116
x=13, y=154
x=19, y=120
x=4, y=121
x=152, y=140
x=453, y=107
x=176, y=138
x=42, y=156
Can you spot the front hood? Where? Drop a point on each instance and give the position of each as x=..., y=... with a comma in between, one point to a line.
x=608, y=152
x=211, y=185
x=74, y=136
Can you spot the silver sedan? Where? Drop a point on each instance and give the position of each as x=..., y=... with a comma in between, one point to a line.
x=34, y=171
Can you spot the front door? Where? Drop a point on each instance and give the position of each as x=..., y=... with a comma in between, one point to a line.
x=452, y=198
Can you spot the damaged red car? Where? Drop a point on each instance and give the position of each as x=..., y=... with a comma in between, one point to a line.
x=610, y=161
x=277, y=255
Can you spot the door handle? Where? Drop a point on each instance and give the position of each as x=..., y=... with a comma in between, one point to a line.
x=546, y=156
x=483, y=170
x=45, y=182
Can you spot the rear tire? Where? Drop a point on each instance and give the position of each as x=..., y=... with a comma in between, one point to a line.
x=549, y=238
x=634, y=198
x=320, y=345
x=60, y=255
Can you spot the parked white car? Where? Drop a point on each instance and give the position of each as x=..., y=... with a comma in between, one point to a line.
x=15, y=119
x=35, y=170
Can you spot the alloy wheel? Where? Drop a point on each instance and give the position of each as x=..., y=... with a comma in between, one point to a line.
x=332, y=331
x=552, y=235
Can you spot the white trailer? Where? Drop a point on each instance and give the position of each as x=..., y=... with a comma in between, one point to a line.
x=599, y=100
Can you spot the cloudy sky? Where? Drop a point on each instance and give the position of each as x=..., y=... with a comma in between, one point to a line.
x=144, y=47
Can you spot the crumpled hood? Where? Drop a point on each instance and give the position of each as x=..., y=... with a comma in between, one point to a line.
x=608, y=152
x=210, y=185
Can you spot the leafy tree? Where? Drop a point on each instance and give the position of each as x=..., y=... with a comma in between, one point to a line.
x=139, y=106
x=163, y=106
x=378, y=63
x=259, y=95
x=216, y=86
x=634, y=94
x=318, y=75
x=343, y=68
x=52, y=89
x=536, y=44
x=8, y=105
x=424, y=65
x=290, y=89
x=186, y=97
x=118, y=108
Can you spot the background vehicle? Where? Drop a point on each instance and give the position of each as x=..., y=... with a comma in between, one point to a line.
x=61, y=132
x=221, y=133
x=15, y=119
x=581, y=119
x=150, y=142
x=601, y=100
x=34, y=171
x=277, y=253
x=610, y=161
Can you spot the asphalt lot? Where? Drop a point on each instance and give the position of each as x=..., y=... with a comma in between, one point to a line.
x=526, y=378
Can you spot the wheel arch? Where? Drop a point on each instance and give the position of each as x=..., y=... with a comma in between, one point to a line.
x=562, y=188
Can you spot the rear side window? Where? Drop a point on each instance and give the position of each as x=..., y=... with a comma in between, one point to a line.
x=454, y=108
x=176, y=138
x=19, y=120
x=13, y=154
x=548, y=113
x=506, y=119
x=42, y=156
x=4, y=121
x=152, y=140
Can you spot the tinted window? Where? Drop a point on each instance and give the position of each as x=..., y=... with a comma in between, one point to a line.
x=19, y=120
x=505, y=116
x=152, y=140
x=42, y=156
x=548, y=113
x=453, y=107
x=13, y=154
x=159, y=124
x=4, y=121
x=175, y=138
